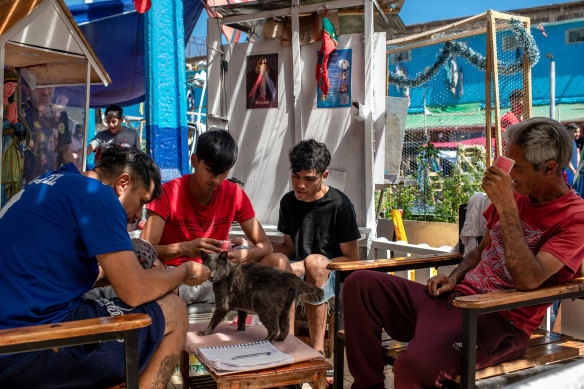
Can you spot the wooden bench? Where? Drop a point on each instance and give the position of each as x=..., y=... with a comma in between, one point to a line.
x=544, y=347
x=74, y=333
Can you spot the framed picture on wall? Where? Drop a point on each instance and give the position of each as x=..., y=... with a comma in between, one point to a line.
x=261, y=84
x=339, y=73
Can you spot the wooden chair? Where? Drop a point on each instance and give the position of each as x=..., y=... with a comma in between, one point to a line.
x=74, y=333
x=544, y=347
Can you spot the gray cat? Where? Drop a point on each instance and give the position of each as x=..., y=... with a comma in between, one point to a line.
x=252, y=287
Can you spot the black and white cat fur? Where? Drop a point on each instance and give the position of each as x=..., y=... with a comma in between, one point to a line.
x=252, y=287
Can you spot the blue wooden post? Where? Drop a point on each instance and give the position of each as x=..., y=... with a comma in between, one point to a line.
x=166, y=110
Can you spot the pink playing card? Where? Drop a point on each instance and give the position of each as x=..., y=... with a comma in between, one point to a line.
x=504, y=163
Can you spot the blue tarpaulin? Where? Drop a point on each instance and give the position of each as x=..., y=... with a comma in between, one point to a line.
x=115, y=31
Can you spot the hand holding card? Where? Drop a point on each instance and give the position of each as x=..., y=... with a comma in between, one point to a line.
x=504, y=163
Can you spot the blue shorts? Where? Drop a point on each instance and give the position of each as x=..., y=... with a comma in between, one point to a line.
x=328, y=288
x=97, y=365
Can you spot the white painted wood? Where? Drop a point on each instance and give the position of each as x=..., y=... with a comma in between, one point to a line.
x=297, y=64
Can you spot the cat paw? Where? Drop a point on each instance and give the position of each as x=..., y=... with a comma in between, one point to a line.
x=281, y=337
x=203, y=332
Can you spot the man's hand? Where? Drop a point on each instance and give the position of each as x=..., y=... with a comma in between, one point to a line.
x=239, y=256
x=498, y=186
x=196, y=273
x=239, y=241
x=193, y=248
x=440, y=284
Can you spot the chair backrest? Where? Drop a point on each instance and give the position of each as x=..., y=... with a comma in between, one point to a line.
x=461, y=218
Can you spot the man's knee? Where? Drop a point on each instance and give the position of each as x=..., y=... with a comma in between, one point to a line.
x=175, y=314
x=316, y=264
x=277, y=260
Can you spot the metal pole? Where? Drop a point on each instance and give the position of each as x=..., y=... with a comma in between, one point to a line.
x=552, y=85
x=86, y=119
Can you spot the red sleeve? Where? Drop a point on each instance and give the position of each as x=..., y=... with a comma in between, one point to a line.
x=161, y=206
x=566, y=244
x=489, y=215
x=243, y=208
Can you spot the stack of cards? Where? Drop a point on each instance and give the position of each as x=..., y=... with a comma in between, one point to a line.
x=504, y=163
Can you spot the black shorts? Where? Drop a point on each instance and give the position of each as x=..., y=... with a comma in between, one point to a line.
x=97, y=365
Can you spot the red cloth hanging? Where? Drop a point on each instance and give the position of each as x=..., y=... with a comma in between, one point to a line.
x=329, y=44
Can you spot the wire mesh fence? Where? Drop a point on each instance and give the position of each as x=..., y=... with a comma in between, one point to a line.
x=447, y=78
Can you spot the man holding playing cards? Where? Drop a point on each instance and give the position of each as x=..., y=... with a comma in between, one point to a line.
x=533, y=238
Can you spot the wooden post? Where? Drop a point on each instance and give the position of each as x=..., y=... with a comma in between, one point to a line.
x=527, y=109
x=494, y=62
x=488, y=71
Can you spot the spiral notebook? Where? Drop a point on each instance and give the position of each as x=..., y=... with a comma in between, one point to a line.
x=242, y=357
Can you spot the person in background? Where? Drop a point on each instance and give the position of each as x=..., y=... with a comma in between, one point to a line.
x=56, y=231
x=195, y=213
x=116, y=133
x=515, y=115
x=570, y=170
x=319, y=226
x=50, y=144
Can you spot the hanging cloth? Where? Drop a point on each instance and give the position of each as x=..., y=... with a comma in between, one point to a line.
x=329, y=44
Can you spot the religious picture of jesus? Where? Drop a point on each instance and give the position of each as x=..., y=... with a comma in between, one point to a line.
x=262, y=81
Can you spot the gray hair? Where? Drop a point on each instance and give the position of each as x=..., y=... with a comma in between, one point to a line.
x=541, y=139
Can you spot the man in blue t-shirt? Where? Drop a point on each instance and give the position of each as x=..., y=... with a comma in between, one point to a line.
x=55, y=232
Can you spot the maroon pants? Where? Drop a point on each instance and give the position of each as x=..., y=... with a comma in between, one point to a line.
x=373, y=301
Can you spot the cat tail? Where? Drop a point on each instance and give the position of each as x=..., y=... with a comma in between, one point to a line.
x=312, y=294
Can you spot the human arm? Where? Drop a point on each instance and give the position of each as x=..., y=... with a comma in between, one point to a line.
x=571, y=168
x=90, y=148
x=350, y=251
x=261, y=244
x=527, y=270
x=135, y=285
x=441, y=283
x=191, y=248
x=286, y=247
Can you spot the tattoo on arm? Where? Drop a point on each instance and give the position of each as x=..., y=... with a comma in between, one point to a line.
x=162, y=376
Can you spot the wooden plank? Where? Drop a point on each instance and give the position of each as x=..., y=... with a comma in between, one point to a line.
x=448, y=38
x=495, y=67
x=527, y=98
x=430, y=261
x=44, y=332
x=513, y=296
x=488, y=72
x=311, y=371
x=430, y=34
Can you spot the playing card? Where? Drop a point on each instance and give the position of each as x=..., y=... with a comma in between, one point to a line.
x=504, y=163
x=145, y=252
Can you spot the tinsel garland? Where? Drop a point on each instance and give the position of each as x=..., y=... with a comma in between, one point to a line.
x=524, y=40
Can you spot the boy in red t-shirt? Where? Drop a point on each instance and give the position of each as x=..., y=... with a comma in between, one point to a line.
x=195, y=212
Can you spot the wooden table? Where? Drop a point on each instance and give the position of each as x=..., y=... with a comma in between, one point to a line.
x=310, y=368
x=297, y=373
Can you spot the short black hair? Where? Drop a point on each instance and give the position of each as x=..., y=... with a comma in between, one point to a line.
x=114, y=111
x=573, y=127
x=218, y=149
x=309, y=154
x=516, y=94
x=116, y=160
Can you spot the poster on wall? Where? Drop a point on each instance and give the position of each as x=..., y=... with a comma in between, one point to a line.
x=339, y=73
x=261, y=83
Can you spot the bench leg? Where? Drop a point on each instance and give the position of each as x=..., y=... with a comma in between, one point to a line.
x=339, y=348
x=469, y=347
x=131, y=352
